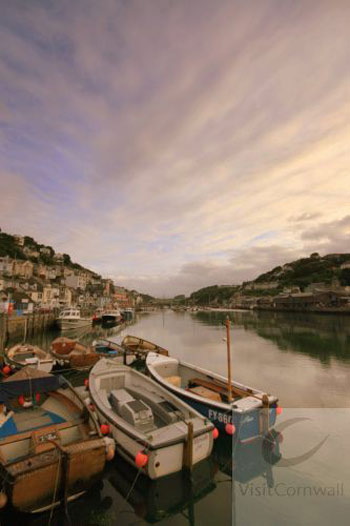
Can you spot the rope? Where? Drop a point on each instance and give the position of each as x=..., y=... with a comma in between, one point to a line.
x=131, y=487
x=56, y=485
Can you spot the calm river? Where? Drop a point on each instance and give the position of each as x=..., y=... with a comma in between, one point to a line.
x=305, y=480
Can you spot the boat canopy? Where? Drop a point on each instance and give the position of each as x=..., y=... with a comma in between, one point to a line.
x=28, y=381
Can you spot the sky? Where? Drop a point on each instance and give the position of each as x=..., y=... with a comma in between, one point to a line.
x=172, y=145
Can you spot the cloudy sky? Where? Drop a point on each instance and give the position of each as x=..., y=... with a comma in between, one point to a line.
x=176, y=144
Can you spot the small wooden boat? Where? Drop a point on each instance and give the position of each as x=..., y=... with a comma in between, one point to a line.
x=152, y=428
x=24, y=354
x=250, y=414
x=141, y=347
x=71, y=318
x=51, y=448
x=72, y=353
x=107, y=348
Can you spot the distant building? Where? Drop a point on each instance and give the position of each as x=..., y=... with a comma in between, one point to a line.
x=6, y=266
x=51, y=296
x=58, y=258
x=31, y=252
x=76, y=281
x=23, y=268
x=45, y=251
x=19, y=240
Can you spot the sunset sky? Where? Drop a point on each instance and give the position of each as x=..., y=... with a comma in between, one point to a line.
x=172, y=145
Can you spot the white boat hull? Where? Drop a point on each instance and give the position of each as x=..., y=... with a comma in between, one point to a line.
x=162, y=461
x=73, y=324
x=169, y=432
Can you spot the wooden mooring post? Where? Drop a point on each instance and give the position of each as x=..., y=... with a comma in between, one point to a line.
x=188, y=448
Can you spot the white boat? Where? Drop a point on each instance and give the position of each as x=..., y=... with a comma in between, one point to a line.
x=152, y=428
x=250, y=414
x=111, y=316
x=24, y=354
x=70, y=318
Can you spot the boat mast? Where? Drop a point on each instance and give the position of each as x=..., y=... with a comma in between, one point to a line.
x=229, y=384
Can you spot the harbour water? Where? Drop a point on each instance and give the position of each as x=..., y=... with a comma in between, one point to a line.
x=305, y=480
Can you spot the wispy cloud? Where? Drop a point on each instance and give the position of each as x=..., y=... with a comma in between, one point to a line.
x=154, y=140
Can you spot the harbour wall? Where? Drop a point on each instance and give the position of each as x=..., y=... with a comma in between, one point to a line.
x=14, y=326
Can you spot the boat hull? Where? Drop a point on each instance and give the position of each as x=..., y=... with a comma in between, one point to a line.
x=66, y=325
x=161, y=461
x=30, y=487
x=248, y=425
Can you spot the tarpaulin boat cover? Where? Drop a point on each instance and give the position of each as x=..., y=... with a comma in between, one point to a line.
x=28, y=381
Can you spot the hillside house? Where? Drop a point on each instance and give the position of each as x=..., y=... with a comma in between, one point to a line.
x=24, y=269
x=45, y=251
x=19, y=240
x=76, y=281
x=31, y=252
x=66, y=296
x=6, y=266
x=51, y=296
x=59, y=258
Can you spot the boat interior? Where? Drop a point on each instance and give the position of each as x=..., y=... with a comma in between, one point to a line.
x=25, y=431
x=197, y=382
x=135, y=344
x=141, y=407
x=25, y=353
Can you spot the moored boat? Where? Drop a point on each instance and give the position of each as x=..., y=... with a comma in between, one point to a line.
x=151, y=427
x=140, y=347
x=71, y=318
x=71, y=352
x=128, y=314
x=51, y=448
x=107, y=348
x=111, y=316
x=250, y=414
x=24, y=354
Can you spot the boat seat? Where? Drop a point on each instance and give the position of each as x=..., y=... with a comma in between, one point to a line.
x=166, y=411
x=212, y=386
x=206, y=393
x=173, y=380
x=104, y=397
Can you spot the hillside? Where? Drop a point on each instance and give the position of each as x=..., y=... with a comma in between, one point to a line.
x=326, y=270
x=214, y=294
x=305, y=271
x=26, y=248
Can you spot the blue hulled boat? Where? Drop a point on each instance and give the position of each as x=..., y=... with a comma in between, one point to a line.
x=250, y=413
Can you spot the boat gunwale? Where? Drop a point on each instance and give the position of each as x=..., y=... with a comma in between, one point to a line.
x=130, y=430
x=227, y=407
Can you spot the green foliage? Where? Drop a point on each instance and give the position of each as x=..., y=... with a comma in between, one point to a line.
x=213, y=294
x=304, y=271
x=344, y=277
x=67, y=260
x=9, y=248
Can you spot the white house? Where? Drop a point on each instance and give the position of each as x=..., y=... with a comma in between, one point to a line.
x=6, y=266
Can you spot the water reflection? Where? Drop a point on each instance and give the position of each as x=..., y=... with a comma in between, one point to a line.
x=154, y=500
x=320, y=336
